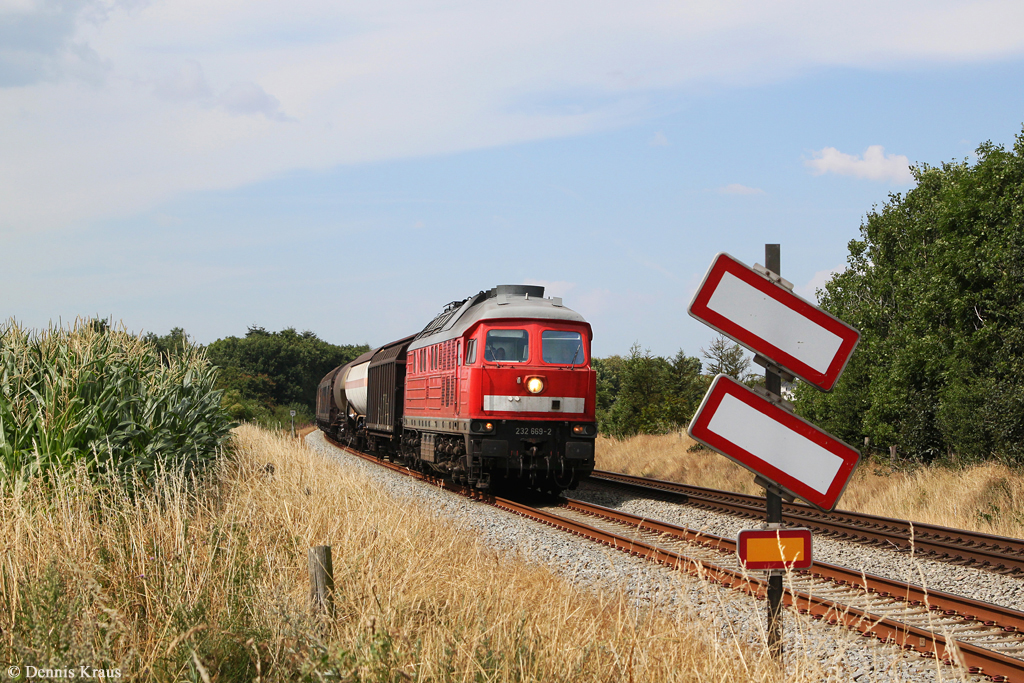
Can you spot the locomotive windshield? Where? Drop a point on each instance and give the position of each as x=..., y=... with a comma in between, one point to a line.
x=507, y=346
x=562, y=348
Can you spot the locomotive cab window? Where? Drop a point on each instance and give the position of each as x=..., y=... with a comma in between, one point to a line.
x=561, y=347
x=471, y=352
x=507, y=346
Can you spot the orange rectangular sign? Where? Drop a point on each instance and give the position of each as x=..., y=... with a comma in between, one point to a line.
x=774, y=548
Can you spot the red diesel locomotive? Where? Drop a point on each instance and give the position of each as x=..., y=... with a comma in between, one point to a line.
x=497, y=392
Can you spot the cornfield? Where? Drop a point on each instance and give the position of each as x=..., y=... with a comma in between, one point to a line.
x=102, y=397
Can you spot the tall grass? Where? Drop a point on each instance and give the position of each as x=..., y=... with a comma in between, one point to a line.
x=100, y=397
x=209, y=578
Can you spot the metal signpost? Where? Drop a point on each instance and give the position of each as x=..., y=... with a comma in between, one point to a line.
x=756, y=428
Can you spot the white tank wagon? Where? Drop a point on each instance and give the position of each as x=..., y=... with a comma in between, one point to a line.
x=355, y=387
x=341, y=398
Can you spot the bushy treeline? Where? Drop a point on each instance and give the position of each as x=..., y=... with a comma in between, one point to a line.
x=935, y=285
x=100, y=397
x=646, y=394
x=265, y=374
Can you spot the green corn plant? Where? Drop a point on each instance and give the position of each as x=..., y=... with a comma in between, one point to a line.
x=100, y=396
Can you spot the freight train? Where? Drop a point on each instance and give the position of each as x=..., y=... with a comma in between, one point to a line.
x=496, y=392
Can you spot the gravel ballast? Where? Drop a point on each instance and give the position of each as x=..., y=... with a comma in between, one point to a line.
x=1007, y=591
x=731, y=614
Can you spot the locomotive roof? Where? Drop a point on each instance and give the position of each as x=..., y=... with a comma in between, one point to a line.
x=503, y=301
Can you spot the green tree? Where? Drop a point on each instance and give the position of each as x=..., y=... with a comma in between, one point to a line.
x=934, y=286
x=609, y=373
x=171, y=344
x=727, y=357
x=639, y=407
x=277, y=368
x=686, y=390
x=647, y=394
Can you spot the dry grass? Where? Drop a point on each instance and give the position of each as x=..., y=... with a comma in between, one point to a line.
x=208, y=581
x=987, y=498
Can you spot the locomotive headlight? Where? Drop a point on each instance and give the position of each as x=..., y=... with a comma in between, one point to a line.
x=535, y=385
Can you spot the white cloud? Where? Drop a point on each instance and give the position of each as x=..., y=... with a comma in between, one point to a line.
x=817, y=281
x=875, y=164
x=187, y=83
x=659, y=140
x=92, y=125
x=249, y=98
x=736, y=188
x=16, y=6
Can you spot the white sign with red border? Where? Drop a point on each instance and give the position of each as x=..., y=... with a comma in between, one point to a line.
x=773, y=442
x=772, y=321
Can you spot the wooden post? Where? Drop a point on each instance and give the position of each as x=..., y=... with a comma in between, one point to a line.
x=892, y=454
x=321, y=579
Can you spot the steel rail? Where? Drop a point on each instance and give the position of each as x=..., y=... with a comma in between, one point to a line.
x=1010, y=620
x=960, y=546
x=977, y=660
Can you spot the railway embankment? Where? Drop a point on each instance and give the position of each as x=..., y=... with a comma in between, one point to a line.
x=728, y=620
x=207, y=579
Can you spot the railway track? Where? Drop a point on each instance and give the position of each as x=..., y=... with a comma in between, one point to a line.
x=966, y=548
x=989, y=638
x=985, y=639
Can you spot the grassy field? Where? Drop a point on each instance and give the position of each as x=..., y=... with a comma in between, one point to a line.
x=988, y=498
x=207, y=581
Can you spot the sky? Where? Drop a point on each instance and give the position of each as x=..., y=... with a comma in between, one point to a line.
x=350, y=168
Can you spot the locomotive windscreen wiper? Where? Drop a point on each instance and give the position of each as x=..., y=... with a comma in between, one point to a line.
x=572, y=363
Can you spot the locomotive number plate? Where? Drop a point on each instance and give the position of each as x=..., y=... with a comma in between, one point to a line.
x=533, y=431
